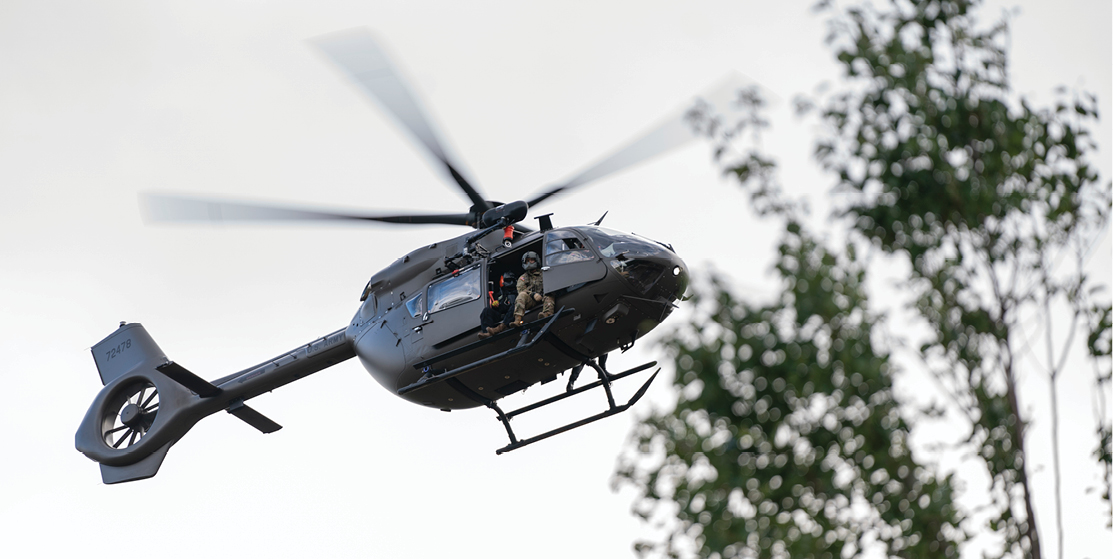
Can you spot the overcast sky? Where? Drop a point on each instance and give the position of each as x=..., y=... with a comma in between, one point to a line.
x=102, y=100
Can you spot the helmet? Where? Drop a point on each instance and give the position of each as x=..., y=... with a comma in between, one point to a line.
x=508, y=279
x=526, y=265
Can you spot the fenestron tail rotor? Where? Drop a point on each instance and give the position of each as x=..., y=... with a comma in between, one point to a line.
x=130, y=414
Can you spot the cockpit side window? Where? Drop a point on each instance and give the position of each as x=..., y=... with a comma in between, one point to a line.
x=416, y=305
x=455, y=290
x=563, y=247
x=370, y=306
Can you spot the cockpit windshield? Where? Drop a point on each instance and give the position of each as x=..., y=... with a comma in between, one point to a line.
x=612, y=243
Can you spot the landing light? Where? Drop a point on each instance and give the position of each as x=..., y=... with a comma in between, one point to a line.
x=676, y=270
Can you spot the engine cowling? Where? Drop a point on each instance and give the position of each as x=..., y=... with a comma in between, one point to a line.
x=514, y=212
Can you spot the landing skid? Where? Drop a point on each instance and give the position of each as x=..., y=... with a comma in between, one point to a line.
x=605, y=380
x=529, y=335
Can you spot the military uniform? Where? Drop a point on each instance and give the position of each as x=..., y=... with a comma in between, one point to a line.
x=500, y=309
x=529, y=283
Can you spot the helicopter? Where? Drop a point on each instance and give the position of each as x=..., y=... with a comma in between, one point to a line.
x=417, y=327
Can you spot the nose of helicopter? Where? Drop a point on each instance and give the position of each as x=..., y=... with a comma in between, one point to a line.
x=652, y=268
x=674, y=281
x=663, y=275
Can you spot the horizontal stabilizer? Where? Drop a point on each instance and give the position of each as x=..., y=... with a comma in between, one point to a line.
x=253, y=418
x=182, y=376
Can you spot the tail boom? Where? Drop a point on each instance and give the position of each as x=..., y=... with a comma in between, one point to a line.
x=148, y=402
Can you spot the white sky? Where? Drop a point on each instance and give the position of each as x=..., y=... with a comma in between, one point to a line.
x=102, y=100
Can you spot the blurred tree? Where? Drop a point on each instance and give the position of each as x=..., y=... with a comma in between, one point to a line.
x=786, y=438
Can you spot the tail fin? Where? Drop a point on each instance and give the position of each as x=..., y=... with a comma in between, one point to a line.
x=124, y=429
x=129, y=347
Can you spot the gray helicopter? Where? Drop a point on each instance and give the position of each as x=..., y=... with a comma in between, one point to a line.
x=417, y=327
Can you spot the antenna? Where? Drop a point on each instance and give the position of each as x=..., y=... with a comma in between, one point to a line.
x=544, y=221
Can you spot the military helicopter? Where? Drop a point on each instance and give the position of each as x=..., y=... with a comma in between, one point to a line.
x=416, y=327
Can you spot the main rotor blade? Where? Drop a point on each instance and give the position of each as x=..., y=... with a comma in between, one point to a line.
x=672, y=132
x=356, y=52
x=170, y=208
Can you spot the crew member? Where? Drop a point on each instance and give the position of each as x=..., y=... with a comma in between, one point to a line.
x=531, y=291
x=498, y=315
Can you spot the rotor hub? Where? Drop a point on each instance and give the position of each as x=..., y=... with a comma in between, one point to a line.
x=132, y=415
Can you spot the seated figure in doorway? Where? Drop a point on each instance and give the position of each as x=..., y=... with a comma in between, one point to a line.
x=531, y=291
x=498, y=315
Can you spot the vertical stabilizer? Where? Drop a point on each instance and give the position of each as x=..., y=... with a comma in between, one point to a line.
x=125, y=349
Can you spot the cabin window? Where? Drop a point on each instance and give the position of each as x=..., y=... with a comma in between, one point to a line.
x=416, y=305
x=455, y=290
x=563, y=247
